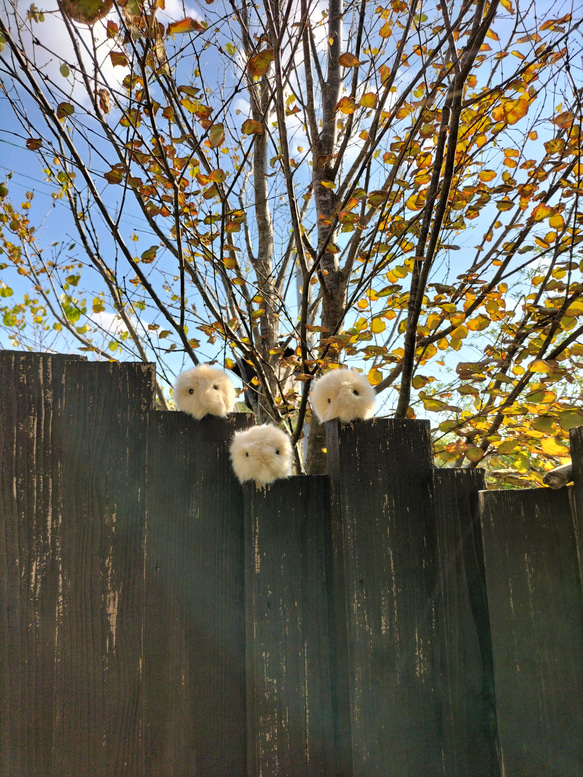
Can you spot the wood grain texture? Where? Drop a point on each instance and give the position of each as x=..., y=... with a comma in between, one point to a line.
x=385, y=550
x=465, y=668
x=194, y=629
x=536, y=614
x=101, y=446
x=289, y=681
x=576, y=438
x=74, y=548
x=29, y=564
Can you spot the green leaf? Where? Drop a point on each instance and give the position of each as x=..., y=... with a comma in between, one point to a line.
x=474, y=454
x=148, y=256
x=545, y=424
x=569, y=419
x=216, y=135
x=64, y=110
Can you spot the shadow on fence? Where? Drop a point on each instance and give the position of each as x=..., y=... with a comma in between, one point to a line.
x=159, y=620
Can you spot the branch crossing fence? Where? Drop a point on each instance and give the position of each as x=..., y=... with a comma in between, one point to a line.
x=390, y=619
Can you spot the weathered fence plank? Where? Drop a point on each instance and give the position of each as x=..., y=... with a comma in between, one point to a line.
x=98, y=672
x=536, y=614
x=289, y=681
x=194, y=628
x=384, y=520
x=576, y=438
x=75, y=603
x=28, y=563
x=466, y=675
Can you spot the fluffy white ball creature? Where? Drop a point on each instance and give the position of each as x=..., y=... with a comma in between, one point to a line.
x=344, y=394
x=204, y=390
x=262, y=453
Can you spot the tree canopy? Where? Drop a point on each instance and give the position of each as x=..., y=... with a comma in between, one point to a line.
x=288, y=186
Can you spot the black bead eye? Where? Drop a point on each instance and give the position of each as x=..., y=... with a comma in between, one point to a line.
x=277, y=452
x=355, y=393
x=191, y=391
x=216, y=388
x=329, y=401
x=247, y=455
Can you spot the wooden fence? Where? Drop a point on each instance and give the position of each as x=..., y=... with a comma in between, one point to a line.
x=157, y=619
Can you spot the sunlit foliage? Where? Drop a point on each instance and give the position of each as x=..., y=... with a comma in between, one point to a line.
x=395, y=187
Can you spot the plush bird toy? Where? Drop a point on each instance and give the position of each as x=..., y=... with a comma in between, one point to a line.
x=262, y=453
x=344, y=394
x=204, y=390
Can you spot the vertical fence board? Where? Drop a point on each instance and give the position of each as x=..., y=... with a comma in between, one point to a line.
x=289, y=683
x=536, y=614
x=381, y=476
x=28, y=626
x=100, y=446
x=194, y=631
x=466, y=674
x=576, y=437
x=75, y=570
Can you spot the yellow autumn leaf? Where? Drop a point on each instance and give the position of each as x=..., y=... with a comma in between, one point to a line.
x=185, y=25
x=259, y=64
x=487, y=175
x=375, y=376
x=507, y=5
x=575, y=309
x=368, y=100
x=564, y=120
x=541, y=397
x=540, y=365
x=511, y=111
x=541, y=212
x=459, y=332
x=348, y=60
x=478, y=323
x=556, y=221
x=377, y=325
x=252, y=127
x=551, y=447
x=346, y=105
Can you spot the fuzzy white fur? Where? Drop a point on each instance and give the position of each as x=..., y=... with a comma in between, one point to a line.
x=204, y=390
x=344, y=394
x=262, y=453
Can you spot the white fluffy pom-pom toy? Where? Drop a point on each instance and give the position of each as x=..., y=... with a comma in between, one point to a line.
x=204, y=390
x=262, y=453
x=344, y=394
